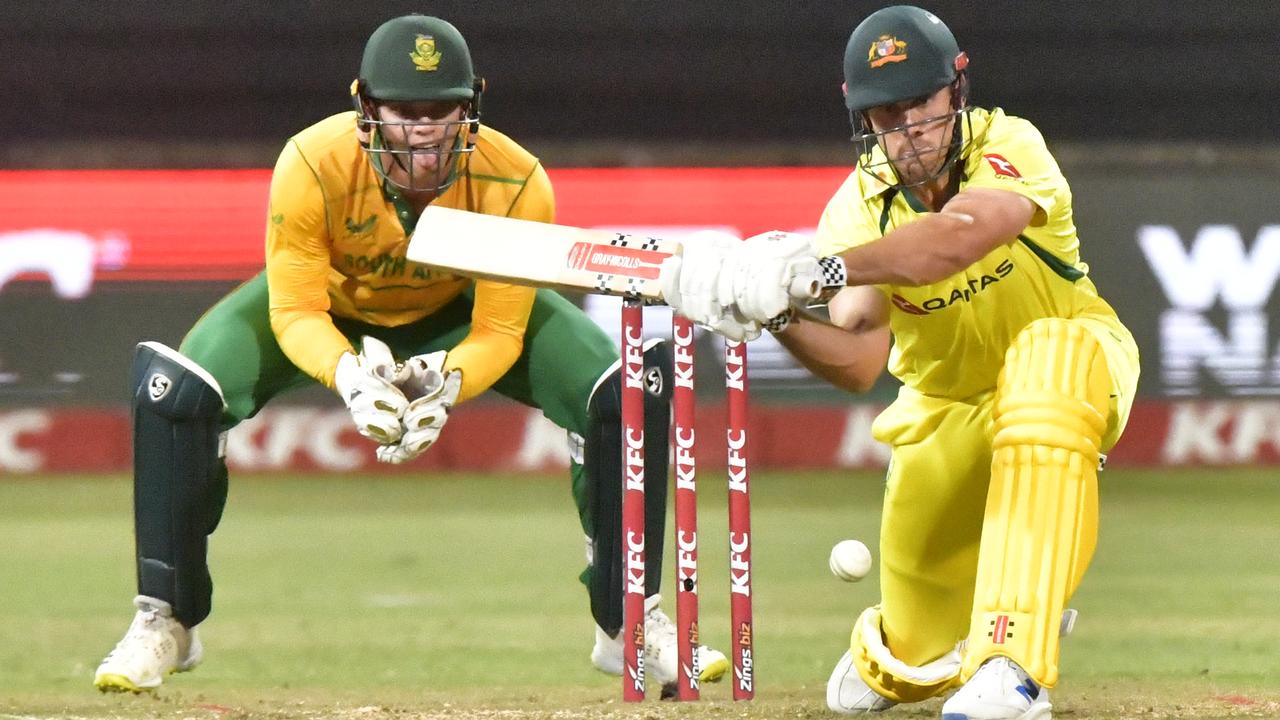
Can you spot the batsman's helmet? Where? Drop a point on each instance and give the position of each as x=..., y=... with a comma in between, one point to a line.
x=901, y=53
x=416, y=58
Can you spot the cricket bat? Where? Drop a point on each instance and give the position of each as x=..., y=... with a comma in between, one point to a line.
x=542, y=254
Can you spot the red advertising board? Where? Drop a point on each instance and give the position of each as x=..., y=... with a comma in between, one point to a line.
x=208, y=224
x=141, y=225
x=77, y=228
x=510, y=438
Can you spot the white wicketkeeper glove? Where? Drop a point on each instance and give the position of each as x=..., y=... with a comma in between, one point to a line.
x=771, y=270
x=366, y=384
x=698, y=284
x=422, y=377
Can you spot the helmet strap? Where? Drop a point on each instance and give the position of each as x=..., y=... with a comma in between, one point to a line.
x=960, y=90
x=474, y=111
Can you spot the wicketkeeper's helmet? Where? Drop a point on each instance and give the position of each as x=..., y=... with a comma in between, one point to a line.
x=417, y=58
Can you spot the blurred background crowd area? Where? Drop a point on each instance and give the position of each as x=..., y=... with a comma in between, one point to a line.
x=158, y=84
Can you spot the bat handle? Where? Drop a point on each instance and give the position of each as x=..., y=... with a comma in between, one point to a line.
x=805, y=286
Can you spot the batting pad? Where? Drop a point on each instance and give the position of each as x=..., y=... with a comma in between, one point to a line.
x=1041, y=521
x=892, y=678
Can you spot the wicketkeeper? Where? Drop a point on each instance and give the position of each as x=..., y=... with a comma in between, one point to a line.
x=401, y=344
x=953, y=241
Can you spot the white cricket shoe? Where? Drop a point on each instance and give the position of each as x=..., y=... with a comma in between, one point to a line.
x=156, y=645
x=999, y=690
x=661, y=656
x=848, y=694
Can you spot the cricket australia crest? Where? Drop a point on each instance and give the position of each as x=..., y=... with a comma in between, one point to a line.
x=886, y=49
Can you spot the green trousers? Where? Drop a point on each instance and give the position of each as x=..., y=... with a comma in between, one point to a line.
x=565, y=354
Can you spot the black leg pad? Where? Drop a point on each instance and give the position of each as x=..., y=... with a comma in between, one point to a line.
x=603, y=466
x=179, y=477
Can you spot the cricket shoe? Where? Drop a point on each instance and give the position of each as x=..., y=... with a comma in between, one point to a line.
x=661, y=656
x=156, y=645
x=848, y=694
x=999, y=690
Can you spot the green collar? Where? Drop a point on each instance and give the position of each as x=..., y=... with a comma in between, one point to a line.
x=404, y=211
x=912, y=201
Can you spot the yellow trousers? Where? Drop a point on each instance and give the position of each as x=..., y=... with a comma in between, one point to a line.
x=937, y=505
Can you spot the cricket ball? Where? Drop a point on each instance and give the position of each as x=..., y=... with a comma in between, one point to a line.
x=850, y=560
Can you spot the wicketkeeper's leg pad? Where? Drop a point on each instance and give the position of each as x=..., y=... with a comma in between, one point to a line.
x=1041, y=520
x=180, y=479
x=892, y=678
x=604, y=470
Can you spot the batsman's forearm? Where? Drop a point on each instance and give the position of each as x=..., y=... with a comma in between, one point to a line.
x=850, y=361
x=919, y=253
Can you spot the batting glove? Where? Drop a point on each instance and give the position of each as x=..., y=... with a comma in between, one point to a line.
x=698, y=284
x=771, y=271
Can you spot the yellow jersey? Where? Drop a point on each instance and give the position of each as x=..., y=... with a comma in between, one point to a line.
x=950, y=337
x=336, y=242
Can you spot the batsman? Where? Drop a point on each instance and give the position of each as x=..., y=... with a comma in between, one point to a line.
x=401, y=344
x=951, y=254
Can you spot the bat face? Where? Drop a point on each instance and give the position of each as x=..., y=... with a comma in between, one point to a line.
x=540, y=254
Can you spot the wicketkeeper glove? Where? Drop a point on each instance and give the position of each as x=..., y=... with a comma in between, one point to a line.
x=366, y=384
x=434, y=392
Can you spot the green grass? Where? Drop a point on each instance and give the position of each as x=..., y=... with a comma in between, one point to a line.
x=457, y=596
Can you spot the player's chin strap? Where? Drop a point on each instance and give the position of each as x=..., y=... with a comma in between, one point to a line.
x=474, y=127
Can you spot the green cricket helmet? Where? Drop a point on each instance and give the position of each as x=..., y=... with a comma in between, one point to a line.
x=417, y=58
x=901, y=53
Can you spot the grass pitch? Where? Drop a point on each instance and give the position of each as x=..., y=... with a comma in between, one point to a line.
x=457, y=597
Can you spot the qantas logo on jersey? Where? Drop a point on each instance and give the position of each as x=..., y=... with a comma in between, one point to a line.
x=1002, y=166
x=964, y=293
x=907, y=306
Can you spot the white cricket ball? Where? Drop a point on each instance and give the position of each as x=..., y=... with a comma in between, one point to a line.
x=850, y=560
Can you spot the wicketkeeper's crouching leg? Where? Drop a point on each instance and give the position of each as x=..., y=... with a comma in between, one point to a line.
x=180, y=489
x=603, y=471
